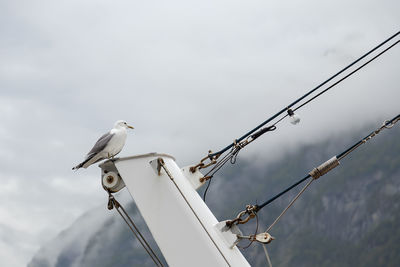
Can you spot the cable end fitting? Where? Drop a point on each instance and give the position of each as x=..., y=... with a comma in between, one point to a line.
x=205, y=178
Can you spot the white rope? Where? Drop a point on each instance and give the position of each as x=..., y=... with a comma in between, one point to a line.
x=290, y=204
x=267, y=255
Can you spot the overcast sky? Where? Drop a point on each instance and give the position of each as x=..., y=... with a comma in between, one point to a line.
x=190, y=76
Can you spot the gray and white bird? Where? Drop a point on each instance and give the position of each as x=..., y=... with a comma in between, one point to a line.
x=109, y=145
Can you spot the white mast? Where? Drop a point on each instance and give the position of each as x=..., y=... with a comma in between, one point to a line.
x=184, y=228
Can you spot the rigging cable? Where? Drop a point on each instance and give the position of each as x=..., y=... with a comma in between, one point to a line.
x=216, y=154
x=252, y=210
x=246, y=139
x=320, y=171
x=290, y=204
x=267, y=255
x=231, y=156
x=348, y=75
x=240, y=143
x=112, y=202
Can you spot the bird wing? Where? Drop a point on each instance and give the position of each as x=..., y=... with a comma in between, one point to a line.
x=100, y=144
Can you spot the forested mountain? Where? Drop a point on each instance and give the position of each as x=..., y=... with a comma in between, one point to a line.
x=350, y=217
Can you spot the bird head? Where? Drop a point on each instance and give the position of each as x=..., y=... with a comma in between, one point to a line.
x=122, y=124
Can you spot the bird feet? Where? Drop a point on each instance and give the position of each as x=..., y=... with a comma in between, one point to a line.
x=111, y=157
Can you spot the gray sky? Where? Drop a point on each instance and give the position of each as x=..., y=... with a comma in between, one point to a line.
x=190, y=76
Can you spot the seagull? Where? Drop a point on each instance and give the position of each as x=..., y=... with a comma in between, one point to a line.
x=109, y=145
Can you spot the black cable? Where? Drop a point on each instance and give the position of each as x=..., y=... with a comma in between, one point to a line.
x=234, y=152
x=263, y=131
x=217, y=167
x=258, y=207
x=304, y=96
x=362, y=140
x=251, y=239
x=342, y=79
x=348, y=75
x=205, y=191
x=339, y=156
x=233, y=155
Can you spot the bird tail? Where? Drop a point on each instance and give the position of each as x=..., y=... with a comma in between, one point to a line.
x=80, y=165
x=91, y=158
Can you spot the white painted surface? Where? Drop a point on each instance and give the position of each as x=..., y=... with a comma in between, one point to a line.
x=178, y=232
x=193, y=178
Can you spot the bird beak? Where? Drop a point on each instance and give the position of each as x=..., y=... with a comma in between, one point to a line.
x=130, y=127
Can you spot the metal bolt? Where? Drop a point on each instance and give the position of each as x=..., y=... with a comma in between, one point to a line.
x=110, y=179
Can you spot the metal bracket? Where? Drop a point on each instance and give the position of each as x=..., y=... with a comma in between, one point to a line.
x=195, y=178
x=228, y=234
x=156, y=165
x=110, y=177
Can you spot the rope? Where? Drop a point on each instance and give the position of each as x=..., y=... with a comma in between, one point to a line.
x=267, y=255
x=253, y=136
x=232, y=155
x=216, y=168
x=281, y=193
x=114, y=203
x=217, y=154
x=251, y=238
x=290, y=204
x=205, y=191
x=315, y=174
x=386, y=125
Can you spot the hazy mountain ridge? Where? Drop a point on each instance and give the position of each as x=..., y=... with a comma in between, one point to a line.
x=348, y=217
x=96, y=239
